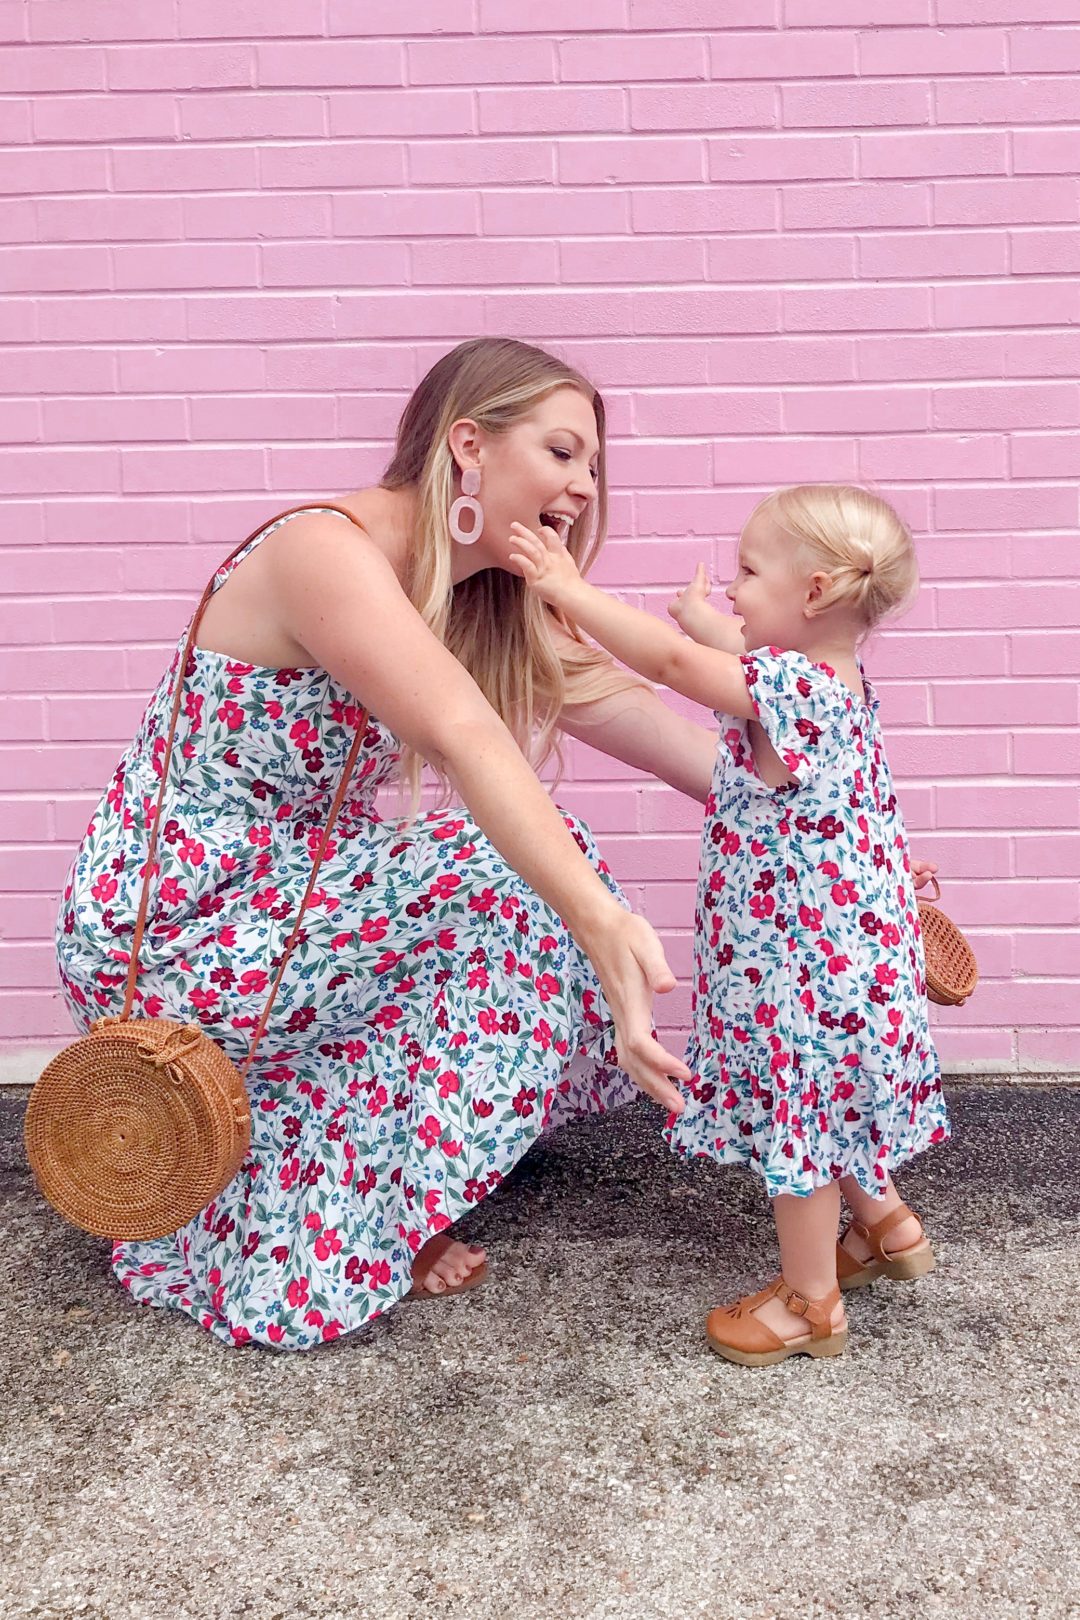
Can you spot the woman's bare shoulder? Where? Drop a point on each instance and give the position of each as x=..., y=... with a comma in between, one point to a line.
x=381, y=529
x=340, y=597
x=320, y=547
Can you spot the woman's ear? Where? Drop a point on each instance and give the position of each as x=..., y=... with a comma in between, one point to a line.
x=817, y=586
x=464, y=440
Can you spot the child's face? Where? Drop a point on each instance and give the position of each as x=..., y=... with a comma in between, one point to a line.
x=769, y=591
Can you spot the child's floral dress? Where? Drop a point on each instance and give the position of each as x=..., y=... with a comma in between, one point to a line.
x=436, y=1017
x=810, y=1054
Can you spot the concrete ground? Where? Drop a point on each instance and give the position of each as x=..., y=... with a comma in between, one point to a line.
x=561, y=1442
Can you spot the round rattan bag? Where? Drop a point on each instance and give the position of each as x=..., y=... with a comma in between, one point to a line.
x=951, y=969
x=135, y=1128
x=132, y=1130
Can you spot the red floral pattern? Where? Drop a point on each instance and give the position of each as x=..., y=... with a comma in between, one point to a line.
x=810, y=1055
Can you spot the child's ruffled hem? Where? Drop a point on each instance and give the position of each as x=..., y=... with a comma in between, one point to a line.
x=869, y=1172
x=834, y=1117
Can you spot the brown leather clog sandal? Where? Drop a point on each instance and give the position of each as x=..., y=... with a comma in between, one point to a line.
x=434, y=1250
x=903, y=1265
x=735, y=1333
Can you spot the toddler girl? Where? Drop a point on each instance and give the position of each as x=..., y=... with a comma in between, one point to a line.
x=810, y=1056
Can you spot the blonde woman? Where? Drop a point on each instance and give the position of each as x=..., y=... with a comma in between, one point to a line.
x=465, y=976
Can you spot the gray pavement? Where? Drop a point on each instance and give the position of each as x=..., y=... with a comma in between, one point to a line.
x=560, y=1442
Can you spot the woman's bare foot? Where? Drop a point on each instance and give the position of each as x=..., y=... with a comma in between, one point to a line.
x=444, y=1263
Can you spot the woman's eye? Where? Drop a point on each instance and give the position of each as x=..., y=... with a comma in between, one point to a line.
x=563, y=455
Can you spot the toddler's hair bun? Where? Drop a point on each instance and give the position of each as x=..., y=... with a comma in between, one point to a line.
x=856, y=538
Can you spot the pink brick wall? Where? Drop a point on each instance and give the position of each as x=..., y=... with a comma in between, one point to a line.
x=790, y=241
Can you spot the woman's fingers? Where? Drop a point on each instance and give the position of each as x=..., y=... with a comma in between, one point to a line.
x=652, y=1067
x=649, y=1065
x=658, y=975
x=631, y=966
x=654, y=964
x=657, y=1085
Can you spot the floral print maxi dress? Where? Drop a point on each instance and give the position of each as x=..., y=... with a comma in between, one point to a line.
x=434, y=1019
x=810, y=1054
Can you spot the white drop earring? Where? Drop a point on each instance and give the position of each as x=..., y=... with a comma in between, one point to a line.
x=467, y=502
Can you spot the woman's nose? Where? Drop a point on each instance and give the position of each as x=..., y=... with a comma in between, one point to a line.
x=730, y=592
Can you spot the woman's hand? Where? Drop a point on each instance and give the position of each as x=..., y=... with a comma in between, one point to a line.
x=631, y=966
x=545, y=564
x=922, y=872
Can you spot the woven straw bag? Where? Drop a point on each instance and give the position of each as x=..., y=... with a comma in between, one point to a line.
x=951, y=969
x=135, y=1128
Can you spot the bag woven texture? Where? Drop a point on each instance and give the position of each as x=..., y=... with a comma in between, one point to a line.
x=951, y=969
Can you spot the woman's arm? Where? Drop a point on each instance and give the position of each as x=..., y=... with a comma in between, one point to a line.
x=637, y=727
x=338, y=596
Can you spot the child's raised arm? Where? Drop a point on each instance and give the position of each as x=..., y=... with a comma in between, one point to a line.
x=712, y=678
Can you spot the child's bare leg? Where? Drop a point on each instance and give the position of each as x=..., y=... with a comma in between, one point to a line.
x=806, y=1229
x=869, y=1210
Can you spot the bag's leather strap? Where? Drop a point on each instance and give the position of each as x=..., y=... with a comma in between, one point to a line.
x=339, y=796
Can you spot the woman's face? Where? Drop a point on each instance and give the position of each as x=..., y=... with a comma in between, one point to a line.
x=542, y=470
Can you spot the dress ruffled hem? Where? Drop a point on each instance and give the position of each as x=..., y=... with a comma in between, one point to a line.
x=830, y=1121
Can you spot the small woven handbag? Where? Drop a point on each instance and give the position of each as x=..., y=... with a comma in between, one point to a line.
x=951, y=969
x=135, y=1128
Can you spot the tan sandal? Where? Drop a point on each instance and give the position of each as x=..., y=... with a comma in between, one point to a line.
x=902, y=1265
x=735, y=1333
x=434, y=1249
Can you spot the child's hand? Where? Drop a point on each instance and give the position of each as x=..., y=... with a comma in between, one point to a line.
x=922, y=872
x=702, y=623
x=688, y=602
x=544, y=563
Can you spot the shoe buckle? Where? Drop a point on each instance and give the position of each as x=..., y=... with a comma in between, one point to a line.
x=796, y=1309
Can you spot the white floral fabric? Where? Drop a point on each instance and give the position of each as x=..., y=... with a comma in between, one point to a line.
x=436, y=1017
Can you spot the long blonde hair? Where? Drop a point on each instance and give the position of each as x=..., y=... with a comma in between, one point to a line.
x=498, y=630
x=856, y=538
